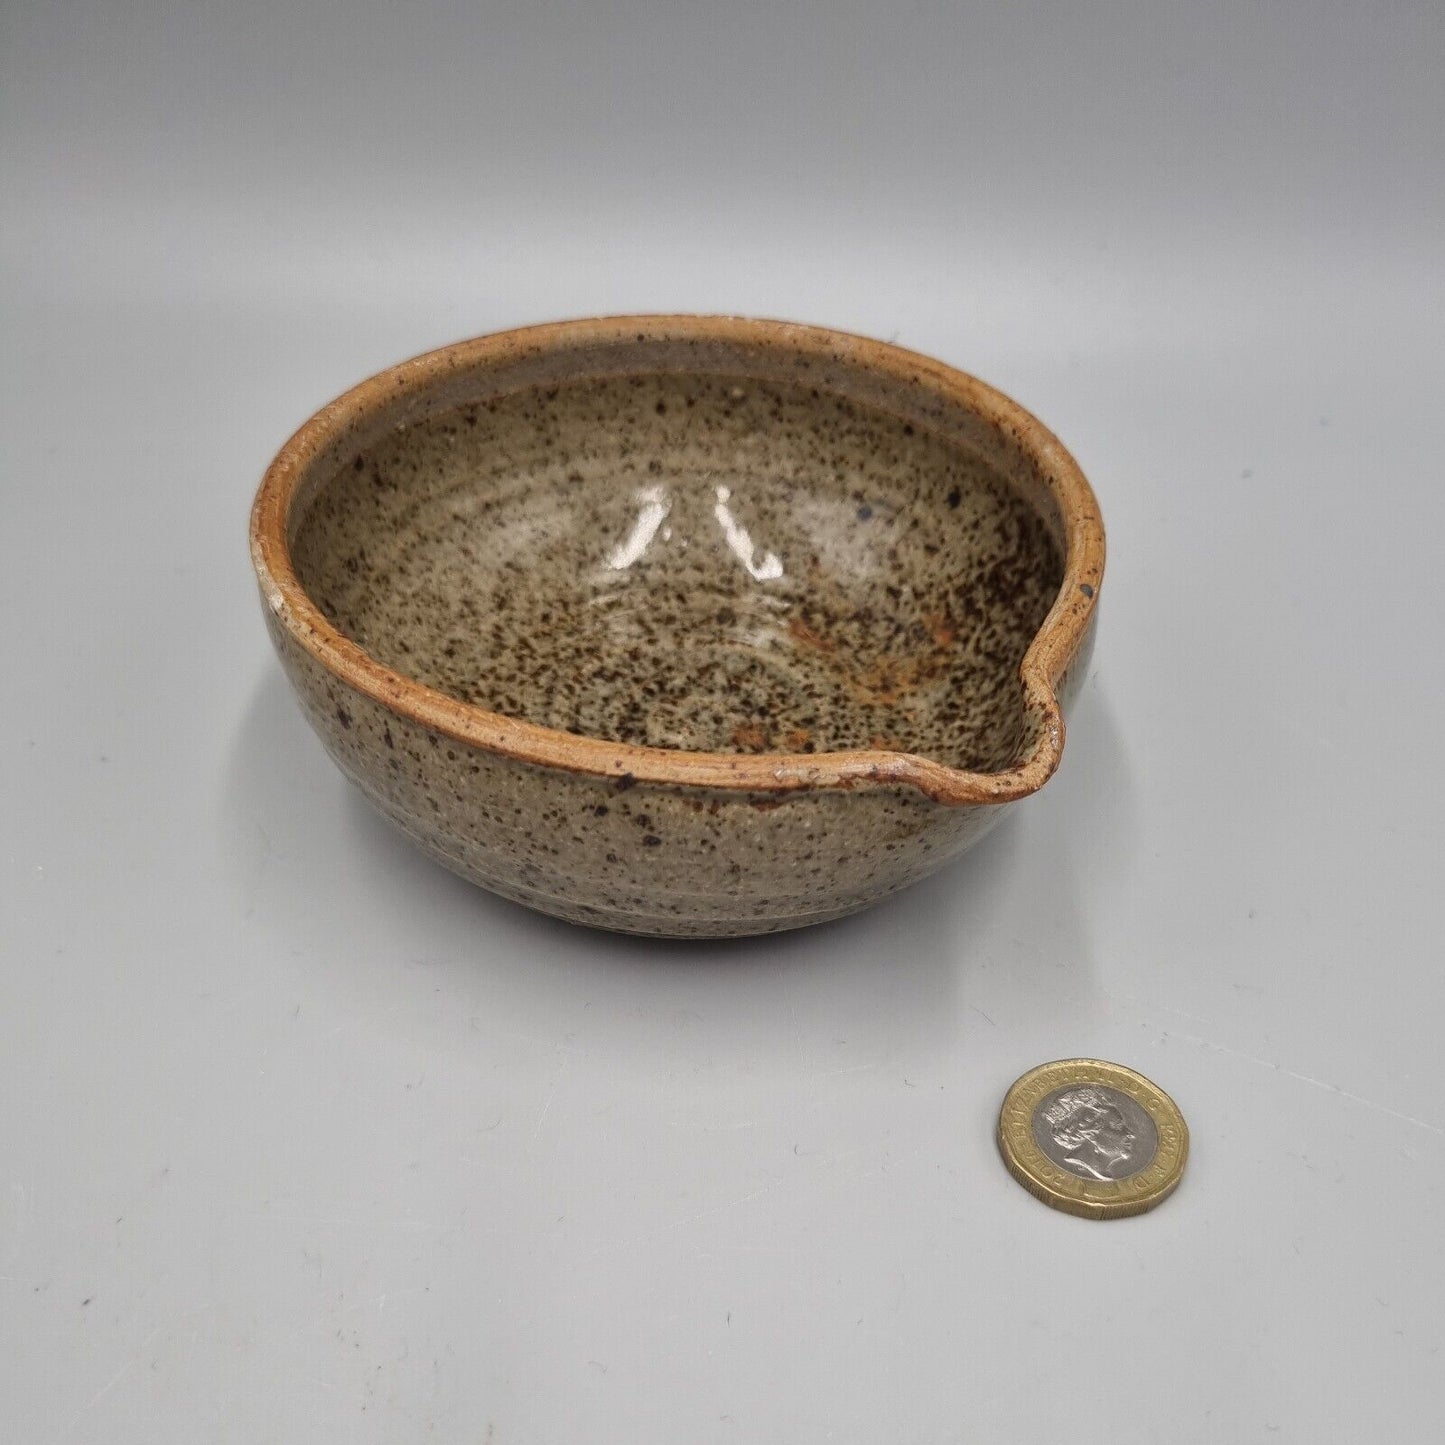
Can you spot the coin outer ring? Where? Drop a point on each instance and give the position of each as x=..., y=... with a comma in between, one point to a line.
x=1089, y=1198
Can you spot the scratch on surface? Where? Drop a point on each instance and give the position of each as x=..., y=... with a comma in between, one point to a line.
x=729, y=1128
x=546, y=1108
x=717, y=1209
x=101, y=1393
x=1145, y=1006
x=850, y=1069
x=331, y=1221
x=1314, y=1083
x=114, y=1380
x=892, y=1161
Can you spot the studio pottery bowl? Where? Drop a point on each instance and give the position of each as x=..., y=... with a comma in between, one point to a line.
x=682, y=625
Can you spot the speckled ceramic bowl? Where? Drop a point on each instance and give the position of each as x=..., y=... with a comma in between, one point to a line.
x=682, y=625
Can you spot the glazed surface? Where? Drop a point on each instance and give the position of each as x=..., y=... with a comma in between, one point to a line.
x=697, y=562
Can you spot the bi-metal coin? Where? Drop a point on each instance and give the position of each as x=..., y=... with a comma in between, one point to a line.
x=1093, y=1138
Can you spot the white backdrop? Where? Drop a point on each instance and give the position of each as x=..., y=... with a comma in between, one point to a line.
x=303, y=1139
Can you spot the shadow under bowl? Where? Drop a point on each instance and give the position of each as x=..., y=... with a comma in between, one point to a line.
x=682, y=625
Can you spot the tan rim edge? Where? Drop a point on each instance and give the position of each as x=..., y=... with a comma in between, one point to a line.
x=1044, y=664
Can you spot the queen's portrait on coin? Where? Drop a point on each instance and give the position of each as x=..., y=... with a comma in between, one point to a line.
x=1091, y=1133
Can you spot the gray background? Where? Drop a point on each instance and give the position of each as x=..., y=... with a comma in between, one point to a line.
x=303, y=1139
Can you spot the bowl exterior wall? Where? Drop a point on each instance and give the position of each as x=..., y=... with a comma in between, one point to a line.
x=632, y=857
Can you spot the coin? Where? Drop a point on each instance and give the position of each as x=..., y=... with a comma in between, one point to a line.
x=1093, y=1138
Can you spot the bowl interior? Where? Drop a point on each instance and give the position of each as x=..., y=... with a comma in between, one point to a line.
x=709, y=562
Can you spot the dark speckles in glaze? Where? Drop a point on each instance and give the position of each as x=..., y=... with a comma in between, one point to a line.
x=717, y=582
x=793, y=611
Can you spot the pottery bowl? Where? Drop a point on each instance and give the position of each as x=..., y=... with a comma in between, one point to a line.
x=682, y=625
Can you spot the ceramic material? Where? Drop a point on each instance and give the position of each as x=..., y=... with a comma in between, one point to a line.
x=682, y=625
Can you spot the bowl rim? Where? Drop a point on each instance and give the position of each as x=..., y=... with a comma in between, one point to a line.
x=1047, y=658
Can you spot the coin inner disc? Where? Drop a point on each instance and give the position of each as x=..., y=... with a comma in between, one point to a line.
x=1095, y=1132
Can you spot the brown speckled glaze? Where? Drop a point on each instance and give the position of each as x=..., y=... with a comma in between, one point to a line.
x=682, y=625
